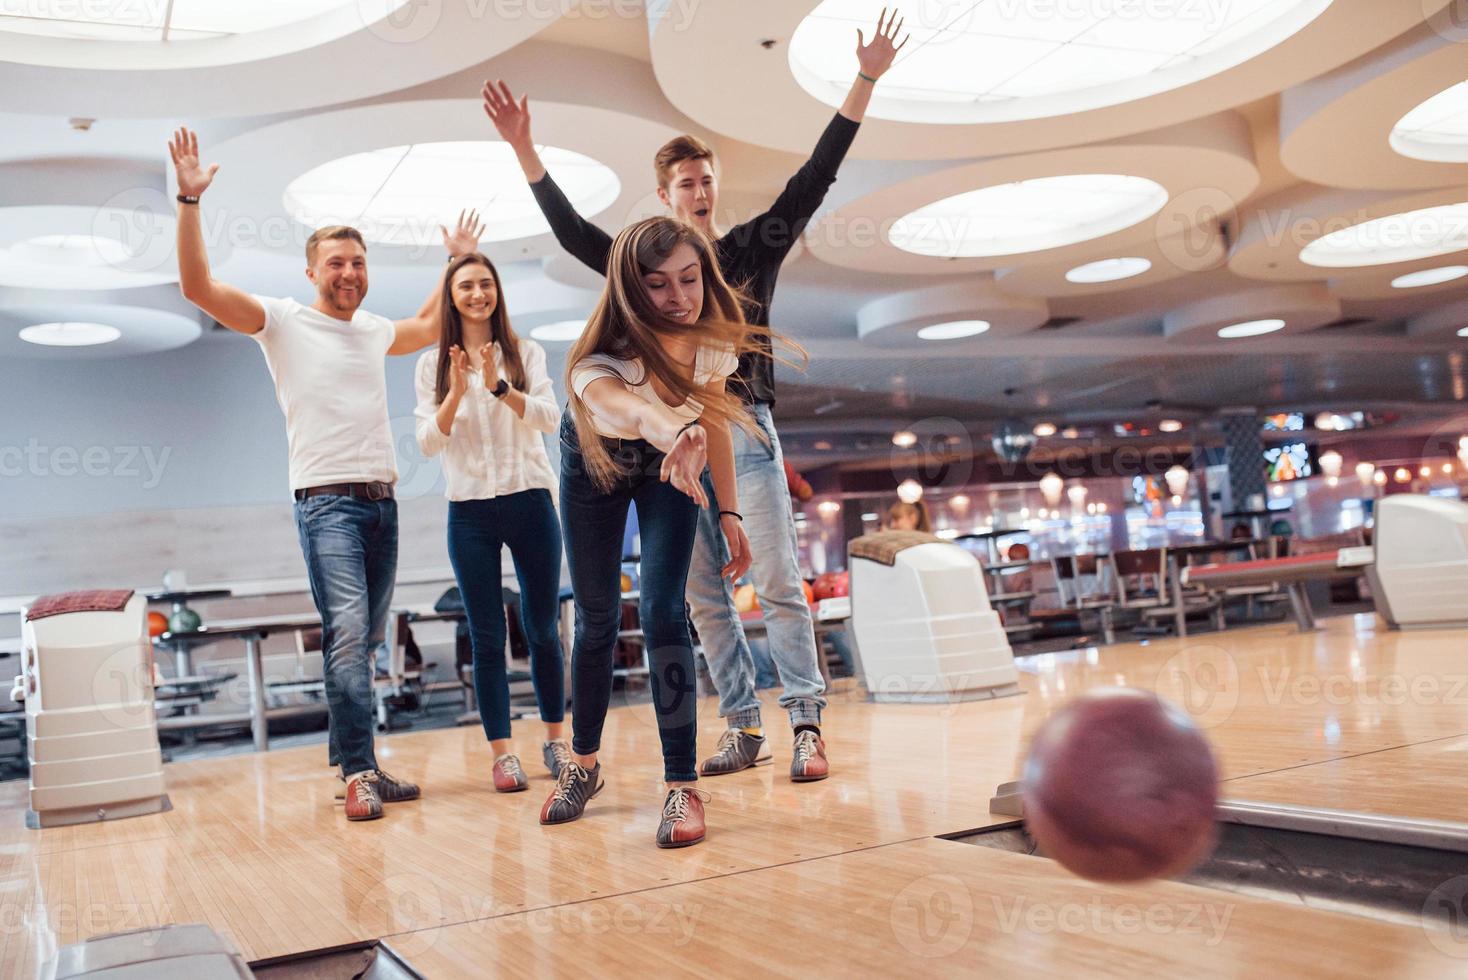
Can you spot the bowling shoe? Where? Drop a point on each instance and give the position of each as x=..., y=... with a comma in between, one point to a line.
x=809, y=763
x=574, y=787
x=682, y=822
x=360, y=798
x=389, y=788
x=508, y=776
x=737, y=750
x=555, y=754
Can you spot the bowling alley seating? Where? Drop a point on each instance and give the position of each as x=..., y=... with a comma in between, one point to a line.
x=1420, y=575
x=1147, y=594
x=87, y=682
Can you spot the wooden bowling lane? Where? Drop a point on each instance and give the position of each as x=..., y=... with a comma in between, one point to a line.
x=255, y=848
x=1425, y=781
x=931, y=908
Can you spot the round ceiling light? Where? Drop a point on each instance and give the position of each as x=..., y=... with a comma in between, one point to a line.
x=1109, y=270
x=1404, y=237
x=561, y=332
x=70, y=334
x=1251, y=328
x=1437, y=130
x=1430, y=277
x=953, y=330
x=1028, y=215
x=177, y=20
x=400, y=195
x=1001, y=61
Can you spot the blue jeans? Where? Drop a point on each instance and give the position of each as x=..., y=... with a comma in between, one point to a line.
x=351, y=549
x=478, y=529
x=593, y=521
x=764, y=501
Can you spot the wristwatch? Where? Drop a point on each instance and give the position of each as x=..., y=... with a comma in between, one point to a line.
x=501, y=388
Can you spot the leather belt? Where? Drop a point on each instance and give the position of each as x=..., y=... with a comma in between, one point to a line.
x=367, y=491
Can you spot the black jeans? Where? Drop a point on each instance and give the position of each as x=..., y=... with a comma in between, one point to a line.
x=478, y=529
x=594, y=522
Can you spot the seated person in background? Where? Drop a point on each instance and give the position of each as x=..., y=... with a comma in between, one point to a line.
x=906, y=516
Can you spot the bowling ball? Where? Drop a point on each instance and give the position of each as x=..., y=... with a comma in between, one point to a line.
x=842, y=585
x=626, y=583
x=184, y=620
x=157, y=623
x=1120, y=786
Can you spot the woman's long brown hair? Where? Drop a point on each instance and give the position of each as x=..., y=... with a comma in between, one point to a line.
x=451, y=328
x=626, y=325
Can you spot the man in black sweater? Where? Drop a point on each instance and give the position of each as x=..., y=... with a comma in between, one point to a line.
x=750, y=255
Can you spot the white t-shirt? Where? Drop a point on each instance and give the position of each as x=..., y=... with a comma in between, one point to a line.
x=710, y=364
x=331, y=384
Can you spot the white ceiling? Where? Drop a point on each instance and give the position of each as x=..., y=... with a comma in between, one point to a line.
x=1242, y=202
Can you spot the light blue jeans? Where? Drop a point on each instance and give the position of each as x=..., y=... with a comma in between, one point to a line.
x=764, y=501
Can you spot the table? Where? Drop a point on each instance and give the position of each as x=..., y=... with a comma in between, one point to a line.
x=252, y=631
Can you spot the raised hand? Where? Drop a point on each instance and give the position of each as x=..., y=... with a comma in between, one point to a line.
x=464, y=239
x=684, y=463
x=511, y=119
x=458, y=372
x=193, y=178
x=877, y=57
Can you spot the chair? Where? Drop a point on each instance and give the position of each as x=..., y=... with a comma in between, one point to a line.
x=1141, y=585
x=1072, y=573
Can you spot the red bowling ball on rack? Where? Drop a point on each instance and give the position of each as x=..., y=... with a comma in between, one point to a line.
x=1120, y=785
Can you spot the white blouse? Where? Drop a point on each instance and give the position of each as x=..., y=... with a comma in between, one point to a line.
x=491, y=451
x=710, y=364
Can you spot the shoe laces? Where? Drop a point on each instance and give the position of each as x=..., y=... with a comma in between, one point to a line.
x=805, y=747
x=561, y=752
x=510, y=766
x=367, y=788
x=728, y=742
x=571, y=774
x=678, y=801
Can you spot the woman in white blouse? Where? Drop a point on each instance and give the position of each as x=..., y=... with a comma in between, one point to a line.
x=484, y=399
x=647, y=408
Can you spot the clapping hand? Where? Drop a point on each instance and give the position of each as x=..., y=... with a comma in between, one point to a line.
x=458, y=372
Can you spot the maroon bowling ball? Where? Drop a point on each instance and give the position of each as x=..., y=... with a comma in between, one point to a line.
x=1121, y=786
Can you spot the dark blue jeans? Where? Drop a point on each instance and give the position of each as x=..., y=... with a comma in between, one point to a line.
x=593, y=520
x=478, y=529
x=351, y=549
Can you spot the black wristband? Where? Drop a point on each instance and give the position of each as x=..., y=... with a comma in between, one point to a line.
x=732, y=513
x=501, y=389
x=188, y=199
x=686, y=427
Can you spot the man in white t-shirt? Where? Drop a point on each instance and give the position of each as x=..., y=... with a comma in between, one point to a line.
x=327, y=363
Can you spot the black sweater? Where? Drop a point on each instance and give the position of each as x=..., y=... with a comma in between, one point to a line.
x=749, y=254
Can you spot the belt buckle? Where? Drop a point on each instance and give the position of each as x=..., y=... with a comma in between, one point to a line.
x=376, y=491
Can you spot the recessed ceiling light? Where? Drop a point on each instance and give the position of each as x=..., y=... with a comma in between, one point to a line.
x=1252, y=328
x=185, y=19
x=904, y=439
x=1403, y=237
x=72, y=251
x=1070, y=432
x=560, y=332
x=1430, y=277
x=1109, y=270
x=1028, y=215
x=400, y=195
x=1170, y=425
x=953, y=330
x=1436, y=130
x=70, y=334
x=1463, y=331
x=985, y=62
x=1045, y=429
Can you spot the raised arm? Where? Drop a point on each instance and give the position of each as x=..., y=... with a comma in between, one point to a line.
x=421, y=329
x=233, y=307
x=584, y=240
x=780, y=226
